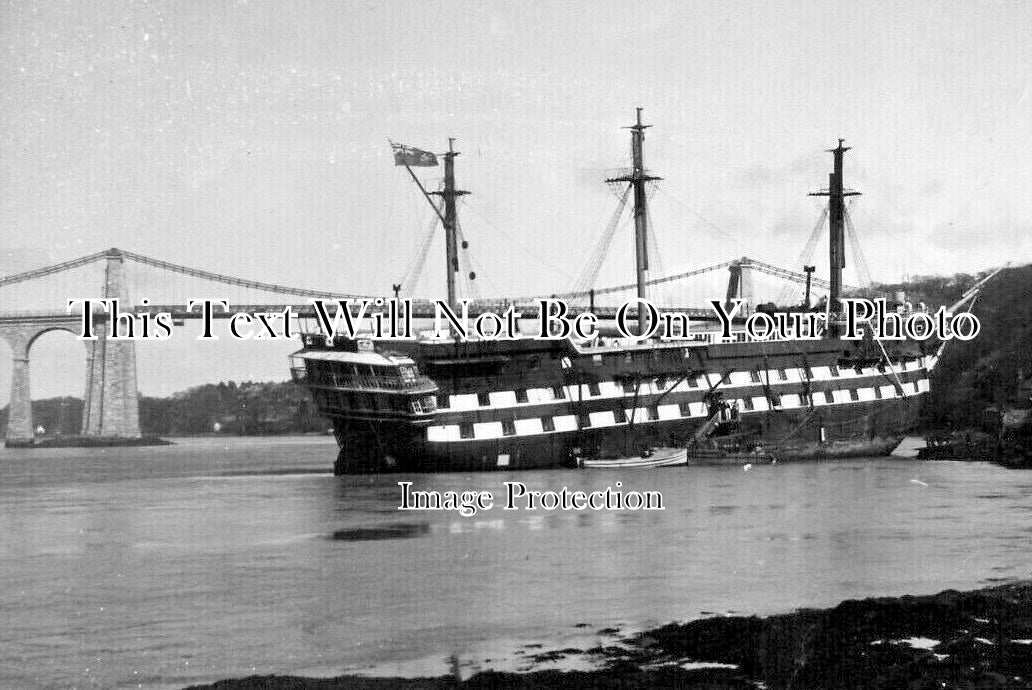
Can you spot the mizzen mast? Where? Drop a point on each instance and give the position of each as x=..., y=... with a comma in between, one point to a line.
x=836, y=219
x=410, y=156
x=637, y=177
x=450, y=221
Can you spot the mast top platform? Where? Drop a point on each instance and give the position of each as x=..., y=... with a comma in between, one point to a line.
x=449, y=174
x=638, y=172
x=837, y=191
x=638, y=126
x=840, y=148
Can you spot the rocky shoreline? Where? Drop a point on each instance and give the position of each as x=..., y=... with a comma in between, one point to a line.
x=976, y=639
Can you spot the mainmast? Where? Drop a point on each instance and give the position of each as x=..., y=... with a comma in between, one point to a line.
x=836, y=215
x=638, y=177
x=450, y=221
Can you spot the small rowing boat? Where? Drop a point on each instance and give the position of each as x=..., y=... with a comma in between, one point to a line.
x=667, y=457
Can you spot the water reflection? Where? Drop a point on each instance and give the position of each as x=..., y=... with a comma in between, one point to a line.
x=401, y=530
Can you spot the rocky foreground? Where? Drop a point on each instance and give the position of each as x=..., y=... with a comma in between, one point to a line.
x=979, y=639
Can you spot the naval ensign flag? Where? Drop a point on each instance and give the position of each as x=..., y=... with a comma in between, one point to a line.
x=412, y=157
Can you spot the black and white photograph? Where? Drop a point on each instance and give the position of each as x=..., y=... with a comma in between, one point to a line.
x=515, y=344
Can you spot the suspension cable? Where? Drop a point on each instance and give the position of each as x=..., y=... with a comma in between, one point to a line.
x=50, y=270
x=631, y=286
x=230, y=280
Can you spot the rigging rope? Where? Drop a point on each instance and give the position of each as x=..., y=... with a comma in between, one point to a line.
x=515, y=240
x=414, y=271
x=722, y=232
x=899, y=383
x=468, y=276
x=652, y=245
x=598, y=255
x=807, y=254
x=863, y=272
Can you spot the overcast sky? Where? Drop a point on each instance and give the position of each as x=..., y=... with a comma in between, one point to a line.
x=250, y=138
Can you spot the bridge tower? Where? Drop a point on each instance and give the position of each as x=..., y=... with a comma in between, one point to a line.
x=19, y=412
x=740, y=284
x=111, y=404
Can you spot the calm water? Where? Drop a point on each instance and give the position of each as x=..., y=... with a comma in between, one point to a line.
x=209, y=559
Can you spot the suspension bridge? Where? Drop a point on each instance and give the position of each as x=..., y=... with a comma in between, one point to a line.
x=35, y=302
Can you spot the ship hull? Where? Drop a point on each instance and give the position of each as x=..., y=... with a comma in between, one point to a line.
x=530, y=404
x=857, y=430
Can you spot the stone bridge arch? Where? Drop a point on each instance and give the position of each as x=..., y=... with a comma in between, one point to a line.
x=21, y=338
x=110, y=403
x=73, y=328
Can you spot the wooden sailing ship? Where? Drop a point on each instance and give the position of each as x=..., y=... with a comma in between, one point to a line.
x=439, y=404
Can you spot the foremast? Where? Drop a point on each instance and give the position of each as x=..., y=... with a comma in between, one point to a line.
x=637, y=178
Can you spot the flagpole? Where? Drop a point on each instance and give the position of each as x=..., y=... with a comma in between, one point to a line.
x=421, y=188
x=426, y=195
x=449, y=194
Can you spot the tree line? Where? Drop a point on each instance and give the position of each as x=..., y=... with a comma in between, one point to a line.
x=246, y=409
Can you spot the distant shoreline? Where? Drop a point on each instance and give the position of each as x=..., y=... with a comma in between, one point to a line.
x=979, y=638
x=89, y=442
x=147, y=440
